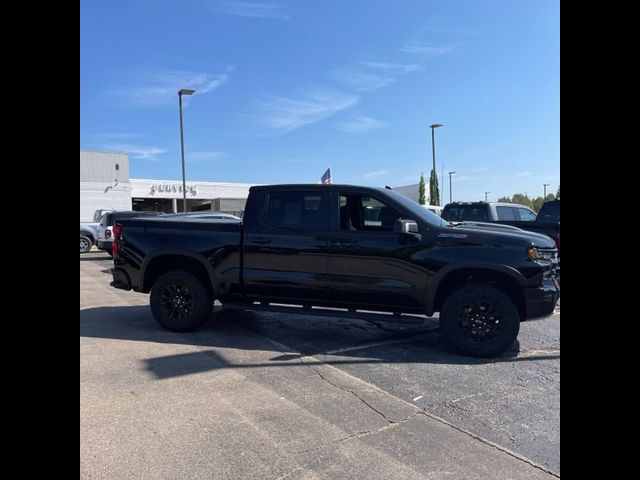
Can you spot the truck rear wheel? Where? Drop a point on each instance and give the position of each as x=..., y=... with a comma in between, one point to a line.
x=480, y=321
x=180, y=301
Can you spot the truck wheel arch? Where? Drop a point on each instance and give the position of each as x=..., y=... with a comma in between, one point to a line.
x=162, y=261
x=455, y=276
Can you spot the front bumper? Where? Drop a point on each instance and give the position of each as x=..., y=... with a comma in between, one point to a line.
x=120, y=279
x=541, y=301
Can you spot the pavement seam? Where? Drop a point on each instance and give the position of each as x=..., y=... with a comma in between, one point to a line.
x=490, y=443
x=287, y=349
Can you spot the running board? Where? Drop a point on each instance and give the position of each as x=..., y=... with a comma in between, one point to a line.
x=407, y=318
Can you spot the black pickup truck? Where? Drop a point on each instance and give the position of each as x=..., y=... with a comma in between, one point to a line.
x=339, y=250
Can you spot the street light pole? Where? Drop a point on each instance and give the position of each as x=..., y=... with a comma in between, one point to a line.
x=450, y=191
x=433, y=149
x=183, y=91
x=545, y=185
x=485, y=195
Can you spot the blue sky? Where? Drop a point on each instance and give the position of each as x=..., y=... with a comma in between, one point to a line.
x=288, y=88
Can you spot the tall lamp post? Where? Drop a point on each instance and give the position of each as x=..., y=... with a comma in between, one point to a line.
x=433, y=149
x=450, y=192
x=485, y=195
x=545, y=185
x=181, y=92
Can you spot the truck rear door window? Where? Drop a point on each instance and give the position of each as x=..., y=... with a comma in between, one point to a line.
x=507, y=213
x=301, y=210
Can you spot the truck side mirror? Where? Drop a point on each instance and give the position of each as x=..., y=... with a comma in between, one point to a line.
x=406, y=226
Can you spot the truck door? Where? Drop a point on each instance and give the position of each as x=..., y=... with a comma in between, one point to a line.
x=286, y=246
x=369, y=263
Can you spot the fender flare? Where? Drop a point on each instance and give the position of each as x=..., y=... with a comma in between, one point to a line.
x=180, y=253
x=442, y=274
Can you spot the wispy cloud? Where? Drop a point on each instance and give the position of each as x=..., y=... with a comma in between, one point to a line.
x=284, y=114
x=374, y=174
x=298, y=160
x=157, y=87
x=479, y=170
x=200, y=156
x=426, y=49
x=116, y=136
x=269, y=10
x=359, y=124
x=369, y=76
x=394, y=68
x=524, y=174
x=139, y=152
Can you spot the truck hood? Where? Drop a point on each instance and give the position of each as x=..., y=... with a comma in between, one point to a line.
x=498, y=232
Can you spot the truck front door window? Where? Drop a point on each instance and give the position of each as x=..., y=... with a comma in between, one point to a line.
x=526, y=215
x=366, y=213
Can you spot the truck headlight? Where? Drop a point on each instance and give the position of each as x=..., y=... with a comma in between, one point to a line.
x=537, y=254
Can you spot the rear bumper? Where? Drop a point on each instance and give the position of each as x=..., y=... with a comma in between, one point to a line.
x=120, y=279
x=541, y=301
x=104, y=245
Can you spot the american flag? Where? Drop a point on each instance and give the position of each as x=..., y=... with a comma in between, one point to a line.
x=326, y=177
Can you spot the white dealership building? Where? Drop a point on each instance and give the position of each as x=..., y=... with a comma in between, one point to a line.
x=105, y=184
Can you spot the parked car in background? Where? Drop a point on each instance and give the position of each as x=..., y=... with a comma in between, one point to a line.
x=437, y=209
x=546, y=222
x=88, y=236
x=97, y=215
x=108, y=220
x=487, y=212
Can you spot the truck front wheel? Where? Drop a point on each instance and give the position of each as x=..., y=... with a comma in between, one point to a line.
x=480, y=321
x=180, y=301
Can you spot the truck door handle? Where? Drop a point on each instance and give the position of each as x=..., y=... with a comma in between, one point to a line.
x=261, y=240
x=344, y=244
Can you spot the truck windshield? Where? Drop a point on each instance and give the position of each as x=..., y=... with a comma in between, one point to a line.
x=417, y=210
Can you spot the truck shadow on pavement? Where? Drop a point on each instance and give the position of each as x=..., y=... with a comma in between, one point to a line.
x=293, y=339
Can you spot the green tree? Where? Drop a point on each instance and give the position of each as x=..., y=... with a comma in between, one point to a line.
x=421, y=191
x=558, y=192
x=505, y=199
x=434, y=191
x=521, y=199
x=536, y=203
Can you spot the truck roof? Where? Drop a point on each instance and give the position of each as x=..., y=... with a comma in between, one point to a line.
x=315, y=186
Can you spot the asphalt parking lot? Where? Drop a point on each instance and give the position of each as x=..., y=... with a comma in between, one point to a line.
x=265, y=395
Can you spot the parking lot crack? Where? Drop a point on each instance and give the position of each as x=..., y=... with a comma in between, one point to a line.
x=358, y=435
x=371, y=407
